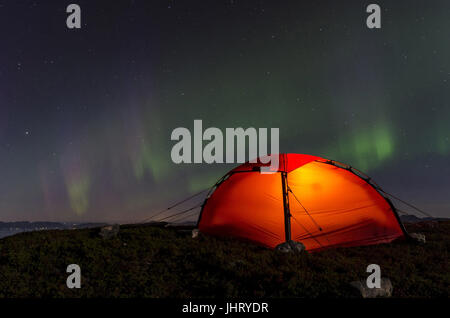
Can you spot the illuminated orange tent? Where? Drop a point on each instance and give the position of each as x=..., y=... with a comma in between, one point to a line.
x=318, y=202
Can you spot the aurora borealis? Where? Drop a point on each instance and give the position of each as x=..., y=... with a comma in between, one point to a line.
x=86, y=115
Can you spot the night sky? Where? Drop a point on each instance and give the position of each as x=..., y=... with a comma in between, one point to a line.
x=86, y=115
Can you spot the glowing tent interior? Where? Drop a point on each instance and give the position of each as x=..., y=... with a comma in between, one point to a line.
x=316, y=201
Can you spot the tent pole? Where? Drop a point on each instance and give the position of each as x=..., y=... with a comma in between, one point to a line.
x=287, y=214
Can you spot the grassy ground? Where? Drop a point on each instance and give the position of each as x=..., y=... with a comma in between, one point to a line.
x=149, y=261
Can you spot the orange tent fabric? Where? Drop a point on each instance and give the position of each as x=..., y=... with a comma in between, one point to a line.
x=330, y=205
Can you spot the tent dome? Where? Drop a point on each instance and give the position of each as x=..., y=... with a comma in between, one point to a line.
x=316, y=201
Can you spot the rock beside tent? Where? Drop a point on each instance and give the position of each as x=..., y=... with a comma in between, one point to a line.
x=418, y=237
x=291, y=247
x=109, y=231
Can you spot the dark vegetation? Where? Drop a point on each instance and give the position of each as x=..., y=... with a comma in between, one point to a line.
x=152, y=261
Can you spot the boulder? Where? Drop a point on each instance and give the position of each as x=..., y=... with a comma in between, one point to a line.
x=418, y=237
x=290, y=247
x=109, y=231
x=384, y=291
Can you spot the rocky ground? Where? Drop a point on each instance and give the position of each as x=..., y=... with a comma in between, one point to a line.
x=154, y=261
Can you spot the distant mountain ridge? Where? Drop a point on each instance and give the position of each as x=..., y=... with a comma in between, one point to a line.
x=26, y=225
x=409, y=218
